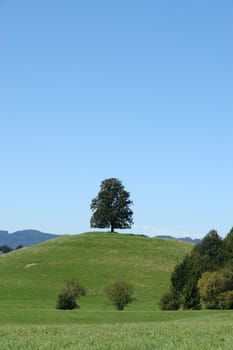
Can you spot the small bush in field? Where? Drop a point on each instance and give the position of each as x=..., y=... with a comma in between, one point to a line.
x=119, y=293
x=68, y=296
x=66, y=301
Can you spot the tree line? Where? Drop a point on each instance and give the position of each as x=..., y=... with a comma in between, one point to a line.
x=204, y=278
x=6, y=249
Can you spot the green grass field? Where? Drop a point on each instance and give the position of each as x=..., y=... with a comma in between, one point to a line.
x=32, y=277
x=203, y=331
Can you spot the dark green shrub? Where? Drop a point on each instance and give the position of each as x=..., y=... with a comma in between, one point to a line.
x=170, y=300
x=68, y=296
x=66, y=301
x=191, y=297
x=181, y=273
x=119, y=294
x=184, y=281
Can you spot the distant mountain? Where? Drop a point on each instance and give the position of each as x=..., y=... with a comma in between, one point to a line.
x=185, y=239
x=25, y=238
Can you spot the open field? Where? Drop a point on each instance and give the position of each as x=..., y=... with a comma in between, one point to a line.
x=203, y=331
x=32, y=277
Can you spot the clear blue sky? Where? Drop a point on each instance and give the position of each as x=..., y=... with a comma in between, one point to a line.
x=138, y=90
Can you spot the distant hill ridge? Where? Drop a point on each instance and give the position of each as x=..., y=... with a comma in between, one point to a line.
x=25, y=238
x=30, y=237
x=184, y=239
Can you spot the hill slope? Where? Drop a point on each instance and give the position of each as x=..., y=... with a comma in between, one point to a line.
x=33, y=276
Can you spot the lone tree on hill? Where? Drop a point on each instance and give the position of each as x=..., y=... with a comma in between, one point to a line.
x=111, y=207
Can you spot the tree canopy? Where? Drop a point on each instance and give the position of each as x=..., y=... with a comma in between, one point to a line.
x=111, y=207
x=204, y=277
x=119, y=293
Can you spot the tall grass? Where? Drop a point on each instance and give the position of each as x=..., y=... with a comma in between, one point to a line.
x=183, y=335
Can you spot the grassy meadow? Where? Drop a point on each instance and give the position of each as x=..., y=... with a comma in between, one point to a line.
x=32, y=277
x=203, y=331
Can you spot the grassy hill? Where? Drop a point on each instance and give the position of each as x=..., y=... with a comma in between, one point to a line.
x=33, y=276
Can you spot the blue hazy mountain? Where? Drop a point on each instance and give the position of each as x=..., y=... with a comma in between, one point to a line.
x=185, y=239
x=25, y=238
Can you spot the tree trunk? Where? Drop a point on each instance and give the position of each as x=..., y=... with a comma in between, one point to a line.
x=112, y=228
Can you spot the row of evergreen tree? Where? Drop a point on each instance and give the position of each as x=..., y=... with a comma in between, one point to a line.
x=204, y=279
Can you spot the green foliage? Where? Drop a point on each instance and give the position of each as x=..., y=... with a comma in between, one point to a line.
x=68, y=296
x=75, y=288
x=66, y=301
x=170, y=300
x=119, y=293
x=212, y=248
x=226, y=300
x=111, y=207
x=228, y=244
x=184, y=280
x=213, y=286
x=180, y=274
x=191, y=296
x=210, y=255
